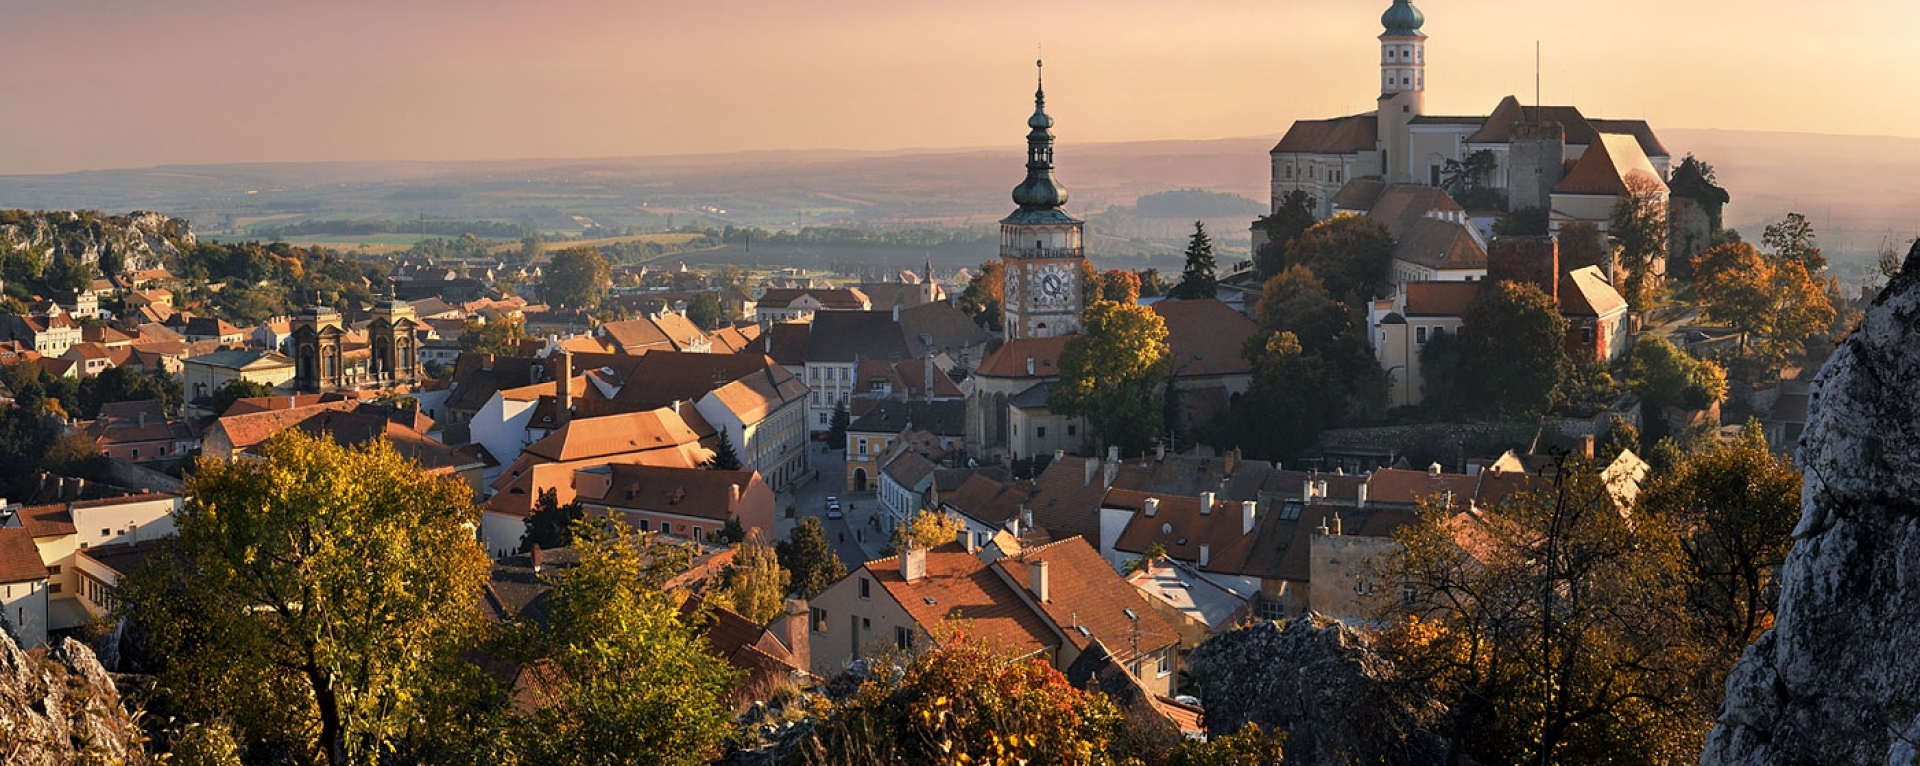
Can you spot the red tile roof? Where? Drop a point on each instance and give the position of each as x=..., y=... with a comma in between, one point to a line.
x=1010, y=359
x=1607, y=166
x=959, y=586
x=1083, y=590
x=1440, y=299
x=1395, y=485
x=1340, y=135
x=19, y=559
x=1585, y=292
x=1206, y=336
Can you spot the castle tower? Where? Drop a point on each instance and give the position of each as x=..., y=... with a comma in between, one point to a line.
x=1403, y=85
x=393, y=336
x=316, y=349
x=1041, y=244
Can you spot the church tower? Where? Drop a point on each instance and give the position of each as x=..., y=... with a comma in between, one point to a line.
x=1040, y=244
x=317, y=334
x=392, y=335
x=1403, y=86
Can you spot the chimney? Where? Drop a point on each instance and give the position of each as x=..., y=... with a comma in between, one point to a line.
x=926, y=379
x=1446, y=499
x=1029, y=366
x=1113, y=454
x=965, y=538
x=1059, y=455
x=913, y=564
x=1233, y=457
x=1037, y=572
x=1206, y=503
x=1111, y=472
x=1204, y=551
x=1093, y=469
x=536, y=558
x=1586, y=445
x=1363, y=494
x=1336, y=524
x=896, y=312
x=1248, y=509
x=1160, y=452
x=793, y=631
x=1153, y=506
x=1433, y=471
x=486, y=362
x=143, y=422
x=1306, y=491
x=735, y=494
x=563, y=391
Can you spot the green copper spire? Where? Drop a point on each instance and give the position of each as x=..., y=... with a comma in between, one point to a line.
x=1403, y=20
x=1040, y=191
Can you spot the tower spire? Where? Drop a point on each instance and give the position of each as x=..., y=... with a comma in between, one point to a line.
x=1040, y=191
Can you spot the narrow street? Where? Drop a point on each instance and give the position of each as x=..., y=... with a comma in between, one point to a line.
x=855, y=537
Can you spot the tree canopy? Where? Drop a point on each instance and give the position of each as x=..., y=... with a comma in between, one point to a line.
x=1513, y=351
x=808, y=555
x=1109, y=373
x=986, y=294
x=500, y=337
x=1293, y=218
x=1349, y=253
x=577, y=278
x=1639, y=225
x=1792, y=239
x=1197, y=279
x=1776, y=300
x=313, y=596
x=704, y=311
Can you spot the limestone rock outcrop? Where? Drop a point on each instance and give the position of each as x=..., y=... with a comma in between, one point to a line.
x=140, y=240
x=61, y=707
x=1837, y=680
x=1322, y=683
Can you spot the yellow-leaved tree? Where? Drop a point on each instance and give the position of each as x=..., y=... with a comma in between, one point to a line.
x=314, y=597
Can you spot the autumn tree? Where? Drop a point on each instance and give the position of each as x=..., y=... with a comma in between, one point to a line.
x=755, y=585
x=1151, y=284
x=1293, y=218
x=1736, y=503
x=1554, y=627
x=1293, y=398
x=577, y=278
x=1513, y=350
x=1109, y=373
x=1349, y=253
x=967, y=699
x=500, y=337
x=1639, y=225
x=1791, y=239
x=1197, y=279
x=616, y=676
x=235, y=390
x=312, y=596
x=927, y=529
x=1119, y=286
x=986, y=295
x=1777, y=301
x=808, y=555
x=1295, y=301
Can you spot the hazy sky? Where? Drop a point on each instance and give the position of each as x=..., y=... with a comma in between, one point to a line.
x=129, y=83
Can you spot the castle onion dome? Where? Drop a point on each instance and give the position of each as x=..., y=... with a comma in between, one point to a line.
x=1402, y=19
x=1040, y=190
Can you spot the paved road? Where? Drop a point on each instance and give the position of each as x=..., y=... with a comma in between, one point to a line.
x=854, y=536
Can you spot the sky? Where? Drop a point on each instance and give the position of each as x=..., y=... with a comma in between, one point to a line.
x=135, y=83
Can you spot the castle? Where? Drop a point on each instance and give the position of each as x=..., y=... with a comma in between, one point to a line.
x=1551, y=158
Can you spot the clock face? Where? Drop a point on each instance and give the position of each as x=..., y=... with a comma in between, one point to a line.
x=1052, y=284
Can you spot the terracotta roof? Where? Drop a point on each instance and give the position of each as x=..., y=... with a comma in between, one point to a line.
x=246, y=430
x=1010, y=359
x=948, y=329
x=768, y=664
x=47, y=520
x=753, y=397
x=477, y=377
x=1340, y=135
x=1395, y=485
x=624, y=433
x=1065, y=502
x=892, y=415
x=1585, y=292
x=909, y=469
x=1359, y=194
x=1607, y=166
x=1083, y=591
x=666, y=332
x=699, y=492
x=1180, y=527
x=1642, y=134
x=19, y=559
x=959, y=586
x=1440, y=244
x=1440, y=299
x=1206, y=337
x=846, y=299
x=987, y=500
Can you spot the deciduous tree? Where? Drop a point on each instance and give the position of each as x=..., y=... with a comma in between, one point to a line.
x=704, y=311
x=313, y=595
x=1109, y=372
x=1792, y=239
x=1513, y=350
x=1639, y=225
x=1120, y=286
x=755, y=585
x=986, y=294
x=927, y=529
x=1292, y=219
x=1581, y=245
x=1778, y=301
x=577, y=278
x=1293, y=398
x=1667, y=376
x=235, y=390
x=500, y=337
x=1349, y=253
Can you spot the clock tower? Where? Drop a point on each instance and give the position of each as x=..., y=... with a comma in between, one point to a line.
x=1040, y=244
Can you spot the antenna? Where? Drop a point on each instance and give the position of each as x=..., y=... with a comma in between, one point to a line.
x=1536, y=81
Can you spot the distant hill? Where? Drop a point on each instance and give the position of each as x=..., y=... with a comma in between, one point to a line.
x=1855, y=188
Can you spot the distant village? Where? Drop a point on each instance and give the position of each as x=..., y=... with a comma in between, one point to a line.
x=866, y=406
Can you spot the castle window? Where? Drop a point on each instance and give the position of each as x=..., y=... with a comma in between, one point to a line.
x=1420, y=335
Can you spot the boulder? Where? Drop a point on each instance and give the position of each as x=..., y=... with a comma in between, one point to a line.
x=1325, y=685
x=60, y=707
x=1837, y=679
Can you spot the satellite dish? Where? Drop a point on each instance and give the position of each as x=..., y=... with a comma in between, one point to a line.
x=1166, y=529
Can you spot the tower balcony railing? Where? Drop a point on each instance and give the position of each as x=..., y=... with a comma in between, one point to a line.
x=1040, y=252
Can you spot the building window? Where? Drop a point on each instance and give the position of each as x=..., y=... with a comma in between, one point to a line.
x=699, y=535
x=1166, y=663
x=863, y=446
x=1072, y=429
x=903, y=638
x=1040, y=432
x=819, y=620
x=54, y=569
x=1433, y=175
x=53, y=588
x=866, y=624
x=823, y=418
x=1362, y=587
x=666, y=528
x=1420, y=335
x=644, y=524
x=1408, y=594
x=1586, y=337
x=866, y=588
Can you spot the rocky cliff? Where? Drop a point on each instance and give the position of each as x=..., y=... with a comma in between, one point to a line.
x=1837, y=680
x=60, y=707
x=140, y=240
x=1323, y=684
